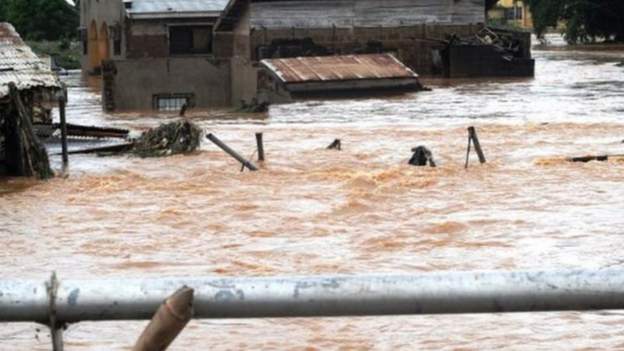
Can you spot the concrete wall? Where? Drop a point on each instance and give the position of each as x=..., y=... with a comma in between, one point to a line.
x=244, y=72
x=150, y=38
x=100, y=12
x=137, y=80
x=411, y=44
x=364, y=13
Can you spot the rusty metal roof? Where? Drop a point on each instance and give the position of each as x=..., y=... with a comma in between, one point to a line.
x=20, y=65
x=338, y=68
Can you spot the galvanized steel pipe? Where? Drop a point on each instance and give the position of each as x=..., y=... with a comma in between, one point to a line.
x=431, y=293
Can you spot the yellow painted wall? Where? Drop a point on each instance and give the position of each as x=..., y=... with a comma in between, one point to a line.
x=525, y=22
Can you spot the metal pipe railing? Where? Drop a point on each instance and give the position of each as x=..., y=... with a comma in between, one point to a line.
x=431, y=293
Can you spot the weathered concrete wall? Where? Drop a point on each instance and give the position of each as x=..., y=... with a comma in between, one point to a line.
x=364, y=13
x=136, y=81
x=96, y=13
x=150, y=38
x=411, y=44
x=244, y=72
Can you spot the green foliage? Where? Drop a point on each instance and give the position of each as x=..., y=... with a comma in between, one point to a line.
x=3, y=11
x=586, y=20
x=41, y=19
x=65, y=53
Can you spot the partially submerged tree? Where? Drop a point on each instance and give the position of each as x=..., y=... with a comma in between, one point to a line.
x=585, y=20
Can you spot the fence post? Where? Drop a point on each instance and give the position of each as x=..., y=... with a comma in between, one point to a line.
x=472, y=136
x=260, y=145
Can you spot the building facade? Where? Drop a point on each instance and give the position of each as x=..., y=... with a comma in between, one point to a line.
x=161, y=54
x=512, y=12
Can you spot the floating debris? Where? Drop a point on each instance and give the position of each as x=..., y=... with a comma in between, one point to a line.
x=168, y=139
x=589, y=158
x=335, y=145
x=421, y=157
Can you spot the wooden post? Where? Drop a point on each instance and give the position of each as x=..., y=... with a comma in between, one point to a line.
x=468, y=151
x=260, y=145
x=170, y=319
x=33, y=155
x=63, y=132
x=472, y=136
x=231, y=152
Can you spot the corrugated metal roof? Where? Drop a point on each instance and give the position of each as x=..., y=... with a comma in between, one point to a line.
x=19, y=65
x=338, y=68
x=174, y=8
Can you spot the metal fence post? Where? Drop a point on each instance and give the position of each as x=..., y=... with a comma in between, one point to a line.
x=56, y=328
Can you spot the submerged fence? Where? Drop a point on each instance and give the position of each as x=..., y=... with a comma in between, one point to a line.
x=57, y=302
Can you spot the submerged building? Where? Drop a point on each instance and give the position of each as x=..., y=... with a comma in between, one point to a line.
x=162, y=54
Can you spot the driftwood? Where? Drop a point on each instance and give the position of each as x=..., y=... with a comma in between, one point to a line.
x=592, y=158
x=26, y=155
x=102, y=150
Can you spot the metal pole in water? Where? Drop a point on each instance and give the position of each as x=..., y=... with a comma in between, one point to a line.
x=231, y=152
x=432, y=293
x=63, y=132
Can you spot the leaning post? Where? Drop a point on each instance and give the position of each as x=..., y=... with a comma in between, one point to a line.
x=170, y=319
x=472, y=137
x=231, y=152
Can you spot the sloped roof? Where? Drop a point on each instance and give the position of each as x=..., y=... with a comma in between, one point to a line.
x=337, y=68
x=20, y=65
x=175, y=8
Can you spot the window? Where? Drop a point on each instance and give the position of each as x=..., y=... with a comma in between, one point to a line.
x=84, y=39
x=190, y=40
x=172, y=102
x=116, y=35
x=514, y=13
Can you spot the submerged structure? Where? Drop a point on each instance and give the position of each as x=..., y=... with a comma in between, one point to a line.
x=164, y=54
x=28, y=90
x=286, y=78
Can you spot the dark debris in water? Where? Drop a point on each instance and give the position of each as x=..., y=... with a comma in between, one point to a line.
x=168, y=139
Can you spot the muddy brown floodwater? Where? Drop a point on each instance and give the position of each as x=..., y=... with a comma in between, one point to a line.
x=361, y=210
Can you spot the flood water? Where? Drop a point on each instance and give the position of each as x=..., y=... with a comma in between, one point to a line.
x=359, y=210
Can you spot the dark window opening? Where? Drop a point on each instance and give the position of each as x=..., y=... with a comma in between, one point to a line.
x=514, y=13
x=84, y=39
x=190, y=40
x=172, y=102
x=117, y=47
